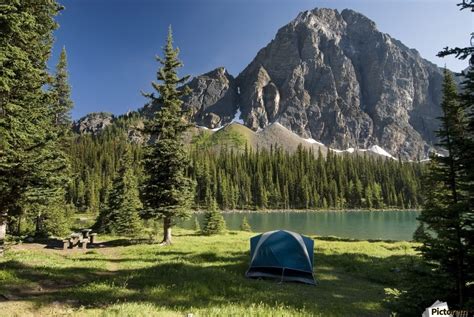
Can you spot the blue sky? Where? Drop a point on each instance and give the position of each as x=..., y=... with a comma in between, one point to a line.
x=111, y=44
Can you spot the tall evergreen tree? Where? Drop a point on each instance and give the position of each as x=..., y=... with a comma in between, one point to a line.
x=444, y=245
x=27, y=162
x=467, y=103
x=121, y=215
x=61, y=91
x=214, y=222
x=167, y=192
x=55, y=217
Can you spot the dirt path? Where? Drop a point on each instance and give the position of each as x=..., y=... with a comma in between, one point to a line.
x=112, y=254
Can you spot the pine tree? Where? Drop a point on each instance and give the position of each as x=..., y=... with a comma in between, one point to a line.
x=55, y=217
x=467, y=103
x=27, y=162
x=61, y=91
x=368, y=197
x=245, y=226
x=121, y=215
x=214, y=222
x=461, y=165
x=167, y=192
x=444, y=240
x=377, y=198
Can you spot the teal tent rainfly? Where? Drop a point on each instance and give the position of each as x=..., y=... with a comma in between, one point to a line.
x=283, y=255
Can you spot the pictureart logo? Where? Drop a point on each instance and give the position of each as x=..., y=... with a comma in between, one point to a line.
x=441, y=309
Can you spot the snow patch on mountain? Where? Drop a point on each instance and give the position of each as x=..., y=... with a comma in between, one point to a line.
x=378, y=150
x=206, y=128
x=238, y=117
x=349, y=150
x=374, y=149
x=313, y=141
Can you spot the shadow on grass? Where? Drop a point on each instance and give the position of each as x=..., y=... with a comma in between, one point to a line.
x=123, y=242
x=177, y=255
x=43, y=281
x=349, y=284
x=57, y=244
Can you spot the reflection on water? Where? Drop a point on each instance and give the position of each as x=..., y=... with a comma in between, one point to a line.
x=390, y=225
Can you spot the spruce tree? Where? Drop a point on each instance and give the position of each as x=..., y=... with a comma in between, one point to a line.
x=121, y=215
x=167, y=192
x=466, y=99
x=444, y=246
x=55, y=216
x=467, y=103
x=27, y=162
x=214, y=222
x=245, y=226
x=61, y=91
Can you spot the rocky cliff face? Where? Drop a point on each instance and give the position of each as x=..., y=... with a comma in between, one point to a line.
x=213, y=100
x=93, y=123
x=335, y=78
x=330, y=76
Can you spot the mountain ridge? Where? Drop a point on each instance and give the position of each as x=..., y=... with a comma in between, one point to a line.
x=332, y=77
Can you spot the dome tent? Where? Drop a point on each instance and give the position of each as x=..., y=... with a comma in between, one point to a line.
x=282, y=254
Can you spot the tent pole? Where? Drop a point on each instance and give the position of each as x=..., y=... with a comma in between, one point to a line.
x=282, y=274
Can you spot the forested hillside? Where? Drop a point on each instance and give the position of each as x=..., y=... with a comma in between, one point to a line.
x=251, y=178
x=95, y=159
x=277, y=179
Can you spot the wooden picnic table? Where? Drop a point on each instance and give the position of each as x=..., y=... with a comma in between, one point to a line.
x=86, y=233
x=79, y=238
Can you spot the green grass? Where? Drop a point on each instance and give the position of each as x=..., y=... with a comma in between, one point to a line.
x=232, y=136
x=199, y=275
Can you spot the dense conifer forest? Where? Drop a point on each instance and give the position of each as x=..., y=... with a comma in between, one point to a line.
x=276, y=179
x=95, y=160
x=246, y=178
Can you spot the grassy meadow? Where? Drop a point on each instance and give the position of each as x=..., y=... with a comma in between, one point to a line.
x=199, y=275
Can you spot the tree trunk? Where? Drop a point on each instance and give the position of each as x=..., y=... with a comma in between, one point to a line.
x=18, y=227
x=3, y=232
x=39, y=225
x=166, y=231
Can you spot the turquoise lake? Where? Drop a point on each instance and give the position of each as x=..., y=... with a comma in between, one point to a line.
x=387, y=225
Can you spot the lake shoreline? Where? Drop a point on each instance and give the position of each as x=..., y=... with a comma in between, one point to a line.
x=375, y=225
x=229, y=211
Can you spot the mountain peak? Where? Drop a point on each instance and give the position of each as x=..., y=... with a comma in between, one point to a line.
x=353, y=17
x=333, y=77
x=219, y=71
x=93, y=122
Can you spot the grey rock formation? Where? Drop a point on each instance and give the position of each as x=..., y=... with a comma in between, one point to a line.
x=327, y=75
x=213, y=99
x=93, y=122
x=335, y=78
